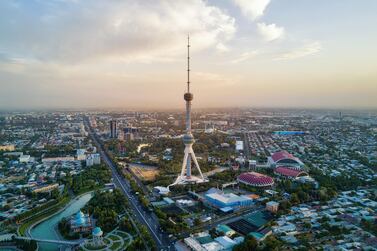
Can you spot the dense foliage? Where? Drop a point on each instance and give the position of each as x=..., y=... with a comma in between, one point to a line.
x=58, y=150
x=65, y=230
x=26, y=245
x=90, y=179
x=170, y=222
x=249, y=244
x=105, y=208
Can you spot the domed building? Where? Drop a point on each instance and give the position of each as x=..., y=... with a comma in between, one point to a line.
x=289, y=172
x=284, y=158
x=81, y=223
x=97, y=237
x=255, y=179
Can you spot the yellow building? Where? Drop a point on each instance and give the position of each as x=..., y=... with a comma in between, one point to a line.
x=46, y=188
x=7, y=148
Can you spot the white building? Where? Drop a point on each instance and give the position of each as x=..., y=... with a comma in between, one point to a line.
x=24, y=158
x=80, y=153
x=239, y=145
x=193, y=244
x=93, y=159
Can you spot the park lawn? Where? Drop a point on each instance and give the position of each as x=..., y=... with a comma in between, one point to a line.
x=121, y=234
x=95, y=248
x=115, y=245
x=114, y=238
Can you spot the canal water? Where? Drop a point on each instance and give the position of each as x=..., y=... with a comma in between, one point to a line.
x=45, y=230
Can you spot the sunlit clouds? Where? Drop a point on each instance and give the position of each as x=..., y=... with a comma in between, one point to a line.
x=119, y=54
x=270, y=32
x=306, y=50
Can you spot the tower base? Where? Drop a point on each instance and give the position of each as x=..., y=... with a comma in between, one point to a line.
x=184, y=180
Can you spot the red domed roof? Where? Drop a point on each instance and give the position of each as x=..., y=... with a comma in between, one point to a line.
x=289, y=171
x=282, y=155
x=255, y=179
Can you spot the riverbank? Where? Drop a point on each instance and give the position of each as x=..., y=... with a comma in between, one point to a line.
x=22, y=230
x=46, y=217
x=44, y=229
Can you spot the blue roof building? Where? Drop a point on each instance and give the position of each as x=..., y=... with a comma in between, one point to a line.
x=81, y=222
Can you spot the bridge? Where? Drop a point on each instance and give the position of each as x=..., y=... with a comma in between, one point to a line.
x=62, y=242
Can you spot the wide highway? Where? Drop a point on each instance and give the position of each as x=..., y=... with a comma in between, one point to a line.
x=142, y=215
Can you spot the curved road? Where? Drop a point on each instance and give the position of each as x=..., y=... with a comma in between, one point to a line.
x=143, y=216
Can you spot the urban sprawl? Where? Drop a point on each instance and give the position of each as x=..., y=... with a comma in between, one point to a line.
x=269, y=180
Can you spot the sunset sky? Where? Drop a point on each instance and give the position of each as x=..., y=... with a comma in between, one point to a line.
x=122, y=53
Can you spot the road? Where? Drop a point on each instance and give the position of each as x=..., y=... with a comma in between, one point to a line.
x=246, y=140
x=69, y=243
x=142, y=215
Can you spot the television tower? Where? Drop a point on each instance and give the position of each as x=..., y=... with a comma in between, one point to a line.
x=189, y=158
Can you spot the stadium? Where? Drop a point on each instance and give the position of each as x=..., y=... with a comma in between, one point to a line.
x=284, y=158
x=255, y=179
x=290, y=173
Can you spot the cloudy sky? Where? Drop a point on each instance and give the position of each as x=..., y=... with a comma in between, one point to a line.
x=123, y=53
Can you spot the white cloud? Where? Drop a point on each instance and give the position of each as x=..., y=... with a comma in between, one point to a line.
x=252, y=9
x=221, y=47
x=245, y=56
x=210, y=79
x=306, y=50
x=270, y=32
x=66, y=31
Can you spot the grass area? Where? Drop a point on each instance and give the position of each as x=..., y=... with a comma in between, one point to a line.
x=53, y=209
x=115, y=245
x=94, y=248
x=145, y=173
x=123, y=235
x=114, y=238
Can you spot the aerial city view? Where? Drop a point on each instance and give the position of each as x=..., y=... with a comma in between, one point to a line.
x=245, y=125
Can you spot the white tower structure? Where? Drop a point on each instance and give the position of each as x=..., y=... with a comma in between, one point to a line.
x=188, y=139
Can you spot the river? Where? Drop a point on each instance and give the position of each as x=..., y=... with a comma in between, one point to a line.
x=45, y=230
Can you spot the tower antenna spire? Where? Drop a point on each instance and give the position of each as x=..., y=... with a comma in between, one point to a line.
x=188, y=63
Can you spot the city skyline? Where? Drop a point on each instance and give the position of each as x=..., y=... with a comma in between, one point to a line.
x=259, y=53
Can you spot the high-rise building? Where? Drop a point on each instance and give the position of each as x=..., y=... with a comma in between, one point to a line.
x=130, y=133
x=113, y=129
x=189, y=158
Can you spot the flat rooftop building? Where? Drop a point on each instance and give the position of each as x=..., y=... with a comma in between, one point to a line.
x=222, y=200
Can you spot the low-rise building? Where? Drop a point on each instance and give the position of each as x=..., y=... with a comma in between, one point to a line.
x=272, y=206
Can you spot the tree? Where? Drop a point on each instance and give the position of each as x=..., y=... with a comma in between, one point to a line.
x=197, y=222
x=307, y=225
x=285, y=205
x=294, y=198
x=105, y=207
x=272, y=244
x=302, y=196
x=250, y=244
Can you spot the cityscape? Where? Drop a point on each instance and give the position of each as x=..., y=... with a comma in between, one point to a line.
x=82, y=168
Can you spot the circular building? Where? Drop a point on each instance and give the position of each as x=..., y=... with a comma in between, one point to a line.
x=284, y=158
x=289, y=172
x=97, y=237
x=255, y=179
x=97, y=232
